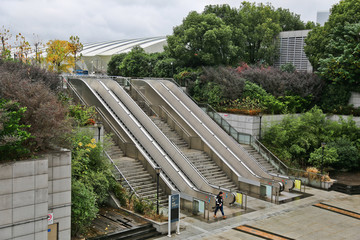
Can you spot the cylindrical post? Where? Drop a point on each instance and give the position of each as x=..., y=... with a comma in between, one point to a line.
x=157, y=194
x=157, y=170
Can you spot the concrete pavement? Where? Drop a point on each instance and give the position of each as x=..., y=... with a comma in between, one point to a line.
x=295, y=220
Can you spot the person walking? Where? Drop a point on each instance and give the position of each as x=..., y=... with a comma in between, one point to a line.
x=219, y=204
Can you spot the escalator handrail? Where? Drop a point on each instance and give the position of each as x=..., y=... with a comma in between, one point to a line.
x=178, y=151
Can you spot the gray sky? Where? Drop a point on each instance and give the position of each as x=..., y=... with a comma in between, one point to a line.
x=103, y=20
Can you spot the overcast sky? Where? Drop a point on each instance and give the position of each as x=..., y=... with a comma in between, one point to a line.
x=103, y=20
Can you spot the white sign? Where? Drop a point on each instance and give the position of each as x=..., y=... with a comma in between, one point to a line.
x=50, y=218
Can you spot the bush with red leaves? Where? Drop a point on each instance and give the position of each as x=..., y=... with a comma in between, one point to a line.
x=35, y=89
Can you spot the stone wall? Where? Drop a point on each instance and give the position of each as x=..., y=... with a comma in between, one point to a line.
x=31, y=189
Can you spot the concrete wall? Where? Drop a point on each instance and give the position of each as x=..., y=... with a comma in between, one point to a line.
x=31, y=189
x=59, y=191
x=355, y=99
x=251, y=124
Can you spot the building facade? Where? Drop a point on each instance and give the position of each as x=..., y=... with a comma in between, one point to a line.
x=291, y=50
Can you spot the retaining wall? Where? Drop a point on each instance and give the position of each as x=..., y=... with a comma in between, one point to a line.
x=31, y=189
x=251, y=124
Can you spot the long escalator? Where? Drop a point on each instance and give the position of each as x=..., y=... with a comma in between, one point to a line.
x=178, y=174
x=233, y=157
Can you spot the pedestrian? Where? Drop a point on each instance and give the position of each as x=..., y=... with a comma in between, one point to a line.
x=219, y=204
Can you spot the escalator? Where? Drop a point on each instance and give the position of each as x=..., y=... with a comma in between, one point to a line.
x=230, y=155
x=178, y=173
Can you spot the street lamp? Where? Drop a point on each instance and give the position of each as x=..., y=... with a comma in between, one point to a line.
x=322, y=158
x=172, y=70
x=157, y=170
x=260, y=116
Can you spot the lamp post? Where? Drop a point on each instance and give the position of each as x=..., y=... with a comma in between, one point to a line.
x=322, y=158
x=260, y=116
x=172, y=70
x=157, y=170
x=99, y=130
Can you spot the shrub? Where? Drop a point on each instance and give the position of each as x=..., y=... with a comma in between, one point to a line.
x=32, y=73
x=335, y=97
x=83, y=209
x=82, y=115
x=142, y=206
x=229, y=82
x=348, y=154
x=45, y=115
x=296, y=140
x=12, y=133
x=279, y=83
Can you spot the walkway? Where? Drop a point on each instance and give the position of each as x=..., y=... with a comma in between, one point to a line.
x=299, y=219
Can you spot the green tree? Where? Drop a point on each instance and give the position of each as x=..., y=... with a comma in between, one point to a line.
x=289, y=21
x=331, y=45
x=201, y=40
x=261, y=28
x=135, y=64
x=341, y=63
x=114, y=63
x=255, y=27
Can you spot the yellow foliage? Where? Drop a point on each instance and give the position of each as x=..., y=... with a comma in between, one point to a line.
x=59, y=56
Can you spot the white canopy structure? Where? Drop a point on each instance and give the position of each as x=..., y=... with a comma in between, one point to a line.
x=95, y=56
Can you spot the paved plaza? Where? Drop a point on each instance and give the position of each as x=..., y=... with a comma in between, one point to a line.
x=300, y=219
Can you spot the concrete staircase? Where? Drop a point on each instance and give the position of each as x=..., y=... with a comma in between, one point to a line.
x=204, y=164
x=265, y=164
x=136, y=175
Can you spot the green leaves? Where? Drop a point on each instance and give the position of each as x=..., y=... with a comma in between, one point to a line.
x=12, y=132
x=202, y=40
x=334, y=49
x=297, y=141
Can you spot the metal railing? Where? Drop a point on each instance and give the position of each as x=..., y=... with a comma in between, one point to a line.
x=244, y=138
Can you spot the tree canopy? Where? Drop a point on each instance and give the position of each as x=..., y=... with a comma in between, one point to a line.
x=202, y=39
x=334, y=49
x=222, y=35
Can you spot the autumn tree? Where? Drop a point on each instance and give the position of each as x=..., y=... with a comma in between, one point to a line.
x=22, y=48
x=59, y=56
x=5, y=36
x=75, y=48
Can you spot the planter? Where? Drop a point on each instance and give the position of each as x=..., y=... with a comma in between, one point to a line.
x=161, y=227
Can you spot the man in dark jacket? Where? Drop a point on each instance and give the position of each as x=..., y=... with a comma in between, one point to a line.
x=219, y=204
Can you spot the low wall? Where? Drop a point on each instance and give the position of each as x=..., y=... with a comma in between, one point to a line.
x=31, y=189
x=251, y=124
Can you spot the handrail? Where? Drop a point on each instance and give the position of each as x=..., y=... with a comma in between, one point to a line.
x=175, y=121
x=121, y=174
x=231, y=131
x=147, y=102
x=115, y=131
x=184, y=157
x=281, y=165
